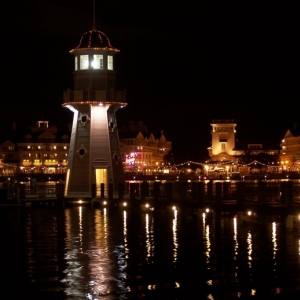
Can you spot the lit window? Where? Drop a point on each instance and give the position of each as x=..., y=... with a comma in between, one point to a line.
x=76, y=65
x=84, y=62
x=97, y=62
x=110, y=62
x=223, y=146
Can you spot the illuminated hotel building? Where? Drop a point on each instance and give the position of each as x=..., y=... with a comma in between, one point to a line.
x=227, y=155
x=290, y=150
x=94, y=154
x=142, y=152
x=40, y=149
x=223, y=140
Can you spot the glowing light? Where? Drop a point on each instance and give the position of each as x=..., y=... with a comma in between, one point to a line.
x=175, y=238
x=250, y=249
x=274, y=240
x=100, y=35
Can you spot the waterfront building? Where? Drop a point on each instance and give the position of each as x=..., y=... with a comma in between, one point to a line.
x=43, y=149
x=144, y=152
x=223, y=140
x=94, y=154
x=290, y=150
x=38, y=149
x=227, y=155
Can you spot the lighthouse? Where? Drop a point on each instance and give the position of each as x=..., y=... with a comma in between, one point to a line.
x=94, y=155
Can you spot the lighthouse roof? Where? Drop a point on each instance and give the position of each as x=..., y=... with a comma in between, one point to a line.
x=94, y=39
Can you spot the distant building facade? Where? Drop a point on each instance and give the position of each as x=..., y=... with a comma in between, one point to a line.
x=290, y=150
x=228, y=155
x=41, y=149
x=44, y=149
x=223, y=140
x=143, y=152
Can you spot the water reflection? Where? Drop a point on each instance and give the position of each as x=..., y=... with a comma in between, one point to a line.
x=99, y=260
x=250, y=249
x=175, y=237
x=88, y=262
x=126, y=250
x=206, y=235
x=274, y=242
x=235, y=238
x=74, y=246
x=207, y=247
x=235, y=247
x=86, y=253
x=122, y=253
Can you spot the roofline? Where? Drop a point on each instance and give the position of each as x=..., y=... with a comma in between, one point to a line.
x=99, y=103
x=94, y=49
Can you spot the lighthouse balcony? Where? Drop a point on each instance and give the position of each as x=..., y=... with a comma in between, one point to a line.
x=94, y=95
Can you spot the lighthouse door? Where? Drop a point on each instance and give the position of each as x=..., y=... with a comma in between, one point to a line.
x=101, y=177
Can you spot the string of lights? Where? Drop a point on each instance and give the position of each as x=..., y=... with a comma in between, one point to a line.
x=99, y=35
x=254, y=162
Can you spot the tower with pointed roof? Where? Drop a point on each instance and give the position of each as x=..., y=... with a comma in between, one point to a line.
x=94, y=154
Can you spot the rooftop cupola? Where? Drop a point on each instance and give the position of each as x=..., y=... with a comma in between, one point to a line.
x=94, y=75
x=94, y=62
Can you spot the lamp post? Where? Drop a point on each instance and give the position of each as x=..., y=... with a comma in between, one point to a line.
x=206, y=168
x=227, y=169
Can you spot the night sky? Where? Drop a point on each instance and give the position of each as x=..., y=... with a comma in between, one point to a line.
x=182, y=64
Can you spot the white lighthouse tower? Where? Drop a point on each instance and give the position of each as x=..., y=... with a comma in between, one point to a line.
x=94, y=154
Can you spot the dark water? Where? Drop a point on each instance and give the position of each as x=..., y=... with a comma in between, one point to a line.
x=87, y=253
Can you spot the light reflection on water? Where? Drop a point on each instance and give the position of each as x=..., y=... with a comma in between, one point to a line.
x=86, y=253
x=175, y=236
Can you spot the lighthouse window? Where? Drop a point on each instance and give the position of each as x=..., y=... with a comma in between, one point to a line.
x=97, y=62
x=84, y=62
x=109, y=62
x=76, y=65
